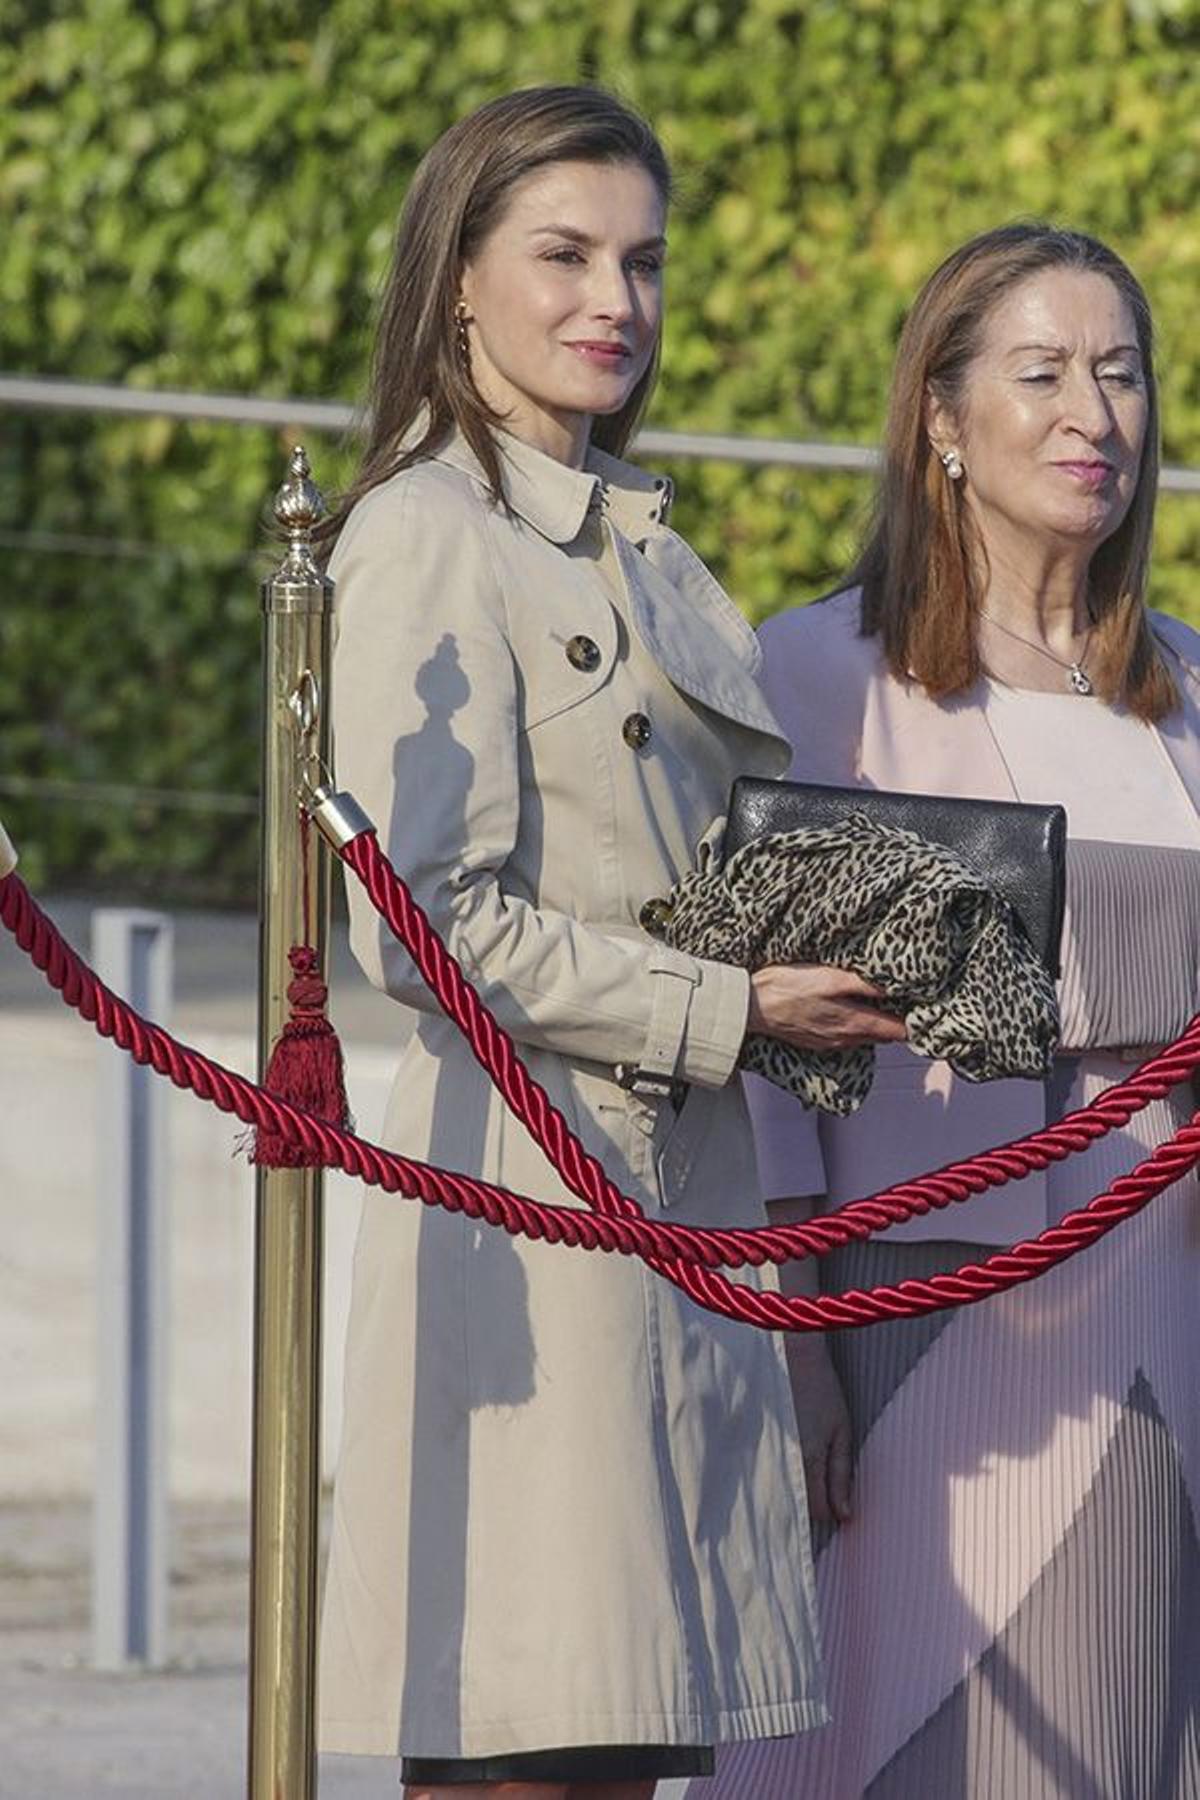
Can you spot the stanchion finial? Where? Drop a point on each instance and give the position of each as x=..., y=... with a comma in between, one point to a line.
x=8, y=854
x=299, y=508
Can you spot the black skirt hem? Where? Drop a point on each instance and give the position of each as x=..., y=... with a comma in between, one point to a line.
x=589, y=1762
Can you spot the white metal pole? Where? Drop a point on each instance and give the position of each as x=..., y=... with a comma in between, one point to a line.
x=132, y=953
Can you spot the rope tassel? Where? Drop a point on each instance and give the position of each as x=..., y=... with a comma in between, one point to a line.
x=305, y=1068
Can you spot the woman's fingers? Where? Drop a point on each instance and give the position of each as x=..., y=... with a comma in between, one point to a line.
x=816, y=1487
x=819, y=1008
x=823, y=1425
x=871, y=1020
x=840, y=1028
x=844, y=983
x=839, y=1474
x=879, y=1027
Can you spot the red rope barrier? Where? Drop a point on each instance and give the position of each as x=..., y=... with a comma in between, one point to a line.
x=687, y=1255
x=528, y=1101
x=497, y=1053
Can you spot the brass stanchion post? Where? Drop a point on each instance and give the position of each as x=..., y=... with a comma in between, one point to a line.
x=288, y=1224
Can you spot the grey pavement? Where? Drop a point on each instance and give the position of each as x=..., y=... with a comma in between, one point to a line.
x=68, y=1732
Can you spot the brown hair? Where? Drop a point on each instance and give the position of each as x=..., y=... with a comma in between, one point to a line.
x=919, y=567
x=458, y=196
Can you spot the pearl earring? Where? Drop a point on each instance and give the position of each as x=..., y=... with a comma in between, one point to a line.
x=952, y=463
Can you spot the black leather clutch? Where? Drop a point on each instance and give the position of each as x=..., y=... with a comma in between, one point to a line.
x=1019, y=849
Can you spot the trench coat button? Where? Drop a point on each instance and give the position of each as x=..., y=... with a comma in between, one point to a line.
x=654, y=916
x=583, y=654
x=637, y=731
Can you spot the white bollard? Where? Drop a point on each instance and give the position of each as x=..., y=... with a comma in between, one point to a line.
x=131, y=952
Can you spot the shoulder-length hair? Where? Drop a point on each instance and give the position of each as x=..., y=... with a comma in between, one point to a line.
x=458, y=195
x=921, y=565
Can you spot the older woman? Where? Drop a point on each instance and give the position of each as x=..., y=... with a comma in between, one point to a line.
x=569, y=1544
x=1011, y=1584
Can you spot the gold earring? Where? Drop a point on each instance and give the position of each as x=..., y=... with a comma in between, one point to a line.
x=460, y=323
x=953, y=465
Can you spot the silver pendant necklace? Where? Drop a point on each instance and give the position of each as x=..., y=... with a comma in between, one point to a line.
x=1078, y=679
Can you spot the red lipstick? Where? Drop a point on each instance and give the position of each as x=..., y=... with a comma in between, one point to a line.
x=603, y=351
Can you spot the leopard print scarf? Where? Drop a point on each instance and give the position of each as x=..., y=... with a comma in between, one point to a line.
x=908, y=915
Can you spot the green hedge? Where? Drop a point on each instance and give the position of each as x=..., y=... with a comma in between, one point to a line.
x=200, y=195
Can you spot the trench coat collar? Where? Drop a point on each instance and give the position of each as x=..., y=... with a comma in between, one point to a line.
x=555, y=499
x=689, y=626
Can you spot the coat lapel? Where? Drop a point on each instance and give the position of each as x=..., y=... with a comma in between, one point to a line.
x=693, y=631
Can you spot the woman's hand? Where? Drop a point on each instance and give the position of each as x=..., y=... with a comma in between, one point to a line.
x=822, y=1416
x=818, y=1008
x=823, y=1422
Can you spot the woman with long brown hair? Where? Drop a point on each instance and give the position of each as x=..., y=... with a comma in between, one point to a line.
x=569, y=1545
x=1009, y=1567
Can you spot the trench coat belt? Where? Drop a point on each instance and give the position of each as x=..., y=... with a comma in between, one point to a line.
x=654, y=1073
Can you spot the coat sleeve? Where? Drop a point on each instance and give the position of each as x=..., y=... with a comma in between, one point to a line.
x=426, y=729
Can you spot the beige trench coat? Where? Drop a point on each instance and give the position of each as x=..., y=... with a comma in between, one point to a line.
x=569, y=1504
